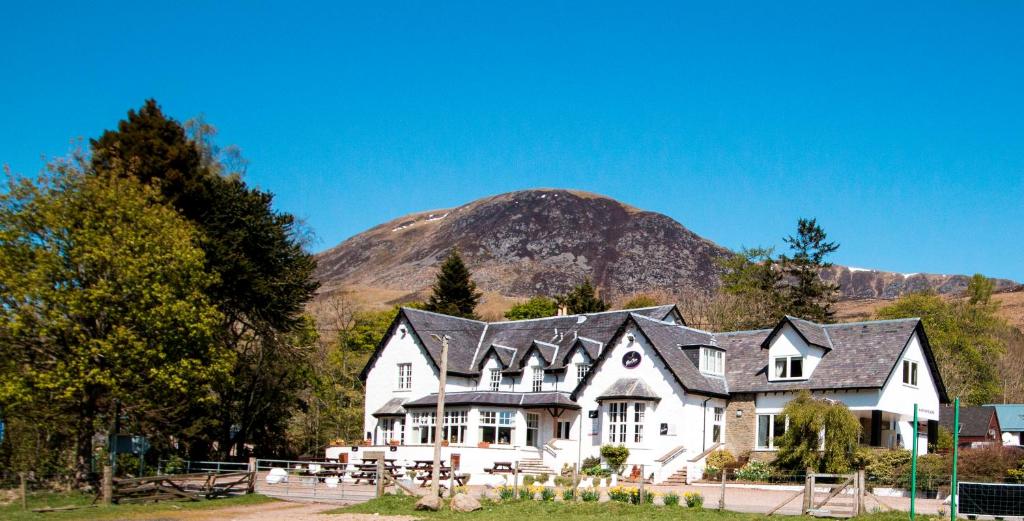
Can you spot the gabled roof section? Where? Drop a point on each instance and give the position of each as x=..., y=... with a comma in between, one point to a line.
x=464, y=336
x=1011, y=416
x=544, y=349
x=503, y=353
x=974, y=419
x=664, y=339
x=864, y=356
x=813, y=334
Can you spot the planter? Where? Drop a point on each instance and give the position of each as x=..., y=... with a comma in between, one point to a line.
x=394, y=443
x=484, y=444
x=444, y=443
x=367, y=443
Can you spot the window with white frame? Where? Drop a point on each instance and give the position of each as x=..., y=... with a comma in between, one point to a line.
x=497, y=427
x=788, y=367
x=770, y=428
x=423, y=427
x=454, y=428
x=391, y=430
x=716, y=425
x=638, y=421
x=563, y=429
x=495, y=380
x=712, y=361
x=581, y=372
x=617, y=422
x=404, y=377
x=538, y=379
x=910, y=373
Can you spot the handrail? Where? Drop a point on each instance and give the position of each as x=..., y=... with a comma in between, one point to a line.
x=704, y=454
x=551, y=448
x=671, y=455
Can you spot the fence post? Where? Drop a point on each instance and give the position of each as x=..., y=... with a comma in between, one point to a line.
x=379, y=482
x=252, y=476
x=24, y=491
x=808, y=492
x=643, y=493
x=721, y=500
x=515, y=479
x=575, y=481
x=861, y=492
x=108, y=485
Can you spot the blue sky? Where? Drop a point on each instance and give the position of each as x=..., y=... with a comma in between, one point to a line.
x=901, y=128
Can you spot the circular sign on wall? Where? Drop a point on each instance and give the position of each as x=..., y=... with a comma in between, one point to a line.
x=631, y=359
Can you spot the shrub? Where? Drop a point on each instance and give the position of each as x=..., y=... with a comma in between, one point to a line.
x=932, y=470
x=615, y=455
x=694, y=499
x=670, y=499
x=720, y=459
x=529, y=479
x=563, y=481
x=568, y=494
x=590, y=495
x=566, y=470
x=888, y=467
x=754, y=471
x=543, y=478
x=988, y=463
x=808, y=417
x=506, y=493
x=592, y=461
x=547, y=494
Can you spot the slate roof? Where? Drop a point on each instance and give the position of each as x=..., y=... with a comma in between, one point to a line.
x=393, y=407
x=974, y=419
x=863, y=355
x=629, y=388
x=499, y=399
x=667, y=340
x=1011, y=416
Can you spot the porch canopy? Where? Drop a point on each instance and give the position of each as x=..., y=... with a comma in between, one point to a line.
x=393, y=407
x=629, y=389
x=555, y=402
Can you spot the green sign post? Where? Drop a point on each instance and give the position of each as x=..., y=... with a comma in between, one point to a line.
x=913, y=469
x=956, y=454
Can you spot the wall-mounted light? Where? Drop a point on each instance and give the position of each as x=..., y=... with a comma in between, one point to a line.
x=403, y=331
x=739, y=413
x=631, y=338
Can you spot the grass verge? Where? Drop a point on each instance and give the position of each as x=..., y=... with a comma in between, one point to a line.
x=14, y=512
x=541, y=510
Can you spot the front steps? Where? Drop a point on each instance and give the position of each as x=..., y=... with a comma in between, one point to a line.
x=534, y=466
x=679, y=478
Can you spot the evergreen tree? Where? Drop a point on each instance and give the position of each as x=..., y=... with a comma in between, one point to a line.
x=755, y=283
x=583, y=299
x=263, y=273
x=455, y=292
x=808, y=296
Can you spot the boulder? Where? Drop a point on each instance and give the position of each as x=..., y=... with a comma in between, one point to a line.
x=464, y=503
x=429, y=502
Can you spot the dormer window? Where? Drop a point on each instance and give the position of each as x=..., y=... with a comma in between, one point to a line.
x=494, y=383
x=538, y=379
x=788, y=367
x=712, y=361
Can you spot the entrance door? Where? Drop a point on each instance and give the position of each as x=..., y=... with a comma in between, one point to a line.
x=532, y=429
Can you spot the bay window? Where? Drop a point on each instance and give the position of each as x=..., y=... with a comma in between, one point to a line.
x=617, y=422
x=638, y=422
x=626, y=420
x=423, y=427
x=497, y=427
x=454, y=428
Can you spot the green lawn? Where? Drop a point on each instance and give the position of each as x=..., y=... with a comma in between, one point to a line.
x=539, y=510
x=13, y=512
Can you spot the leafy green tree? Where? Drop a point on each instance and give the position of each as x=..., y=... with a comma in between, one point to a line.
x=263, y=273
x=455, y=292
x=536, y=307
x=755, y=283
x=808, y=296
x=103, y=303
x=809, y=417
x=965, y=335
x=640, y=301
x=583, y=299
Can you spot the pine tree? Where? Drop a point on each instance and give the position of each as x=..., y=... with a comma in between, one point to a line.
x=583, y=299
x=455, y=292
x=808, y=295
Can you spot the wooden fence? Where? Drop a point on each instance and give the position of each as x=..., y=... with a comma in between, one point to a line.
x=191, y=487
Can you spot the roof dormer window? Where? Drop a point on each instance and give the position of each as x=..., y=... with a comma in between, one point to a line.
x=788, y=368
x=712, y=361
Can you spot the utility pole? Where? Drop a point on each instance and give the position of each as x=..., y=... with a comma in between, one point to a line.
x=435, y=483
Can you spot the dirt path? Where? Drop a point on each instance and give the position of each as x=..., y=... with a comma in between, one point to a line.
x=278, y=511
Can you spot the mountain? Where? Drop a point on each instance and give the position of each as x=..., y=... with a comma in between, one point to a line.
x=543, y=242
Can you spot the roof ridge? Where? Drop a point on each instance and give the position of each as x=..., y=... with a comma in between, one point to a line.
x=680, y=326
x=862, y=322
x=741, y=331
x=443, y=315
x=630, y=311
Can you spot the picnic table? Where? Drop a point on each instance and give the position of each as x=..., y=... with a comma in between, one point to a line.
x=424, y=464
x=501, y=467
x=445, y=475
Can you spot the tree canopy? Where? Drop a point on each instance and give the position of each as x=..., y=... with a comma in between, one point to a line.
x=808, y=295
x=583, y=299
x=536, y=307
x=454, y=292
x=821, y=434
x=104, y=302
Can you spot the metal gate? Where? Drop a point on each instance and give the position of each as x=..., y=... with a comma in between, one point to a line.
x=320, y=481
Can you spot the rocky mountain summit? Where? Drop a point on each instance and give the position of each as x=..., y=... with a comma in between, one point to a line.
x=533, y=242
